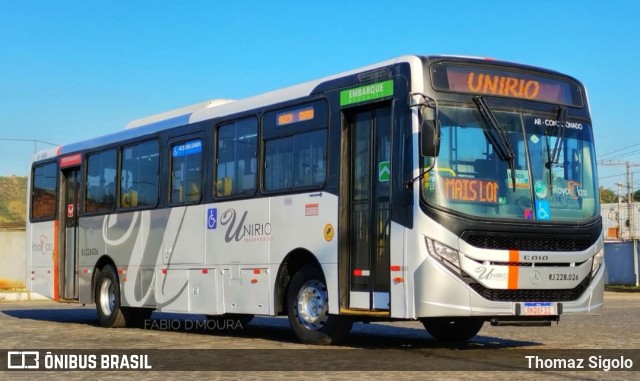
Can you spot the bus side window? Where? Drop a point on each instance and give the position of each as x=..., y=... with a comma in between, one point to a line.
x=101, y=178
x=139, y=175
x=186, y=172
x=237, y=145
x=224, y=186
x=297, y=161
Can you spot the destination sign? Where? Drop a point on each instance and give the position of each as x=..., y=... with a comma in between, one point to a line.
x=70, y=160
x=470, y=190
x=502, y=82
x=294, y=116
x=191, y=147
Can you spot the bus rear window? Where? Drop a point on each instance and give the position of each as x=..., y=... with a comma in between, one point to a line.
x=43, y=194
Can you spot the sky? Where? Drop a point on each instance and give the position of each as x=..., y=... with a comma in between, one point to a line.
x=74, y=70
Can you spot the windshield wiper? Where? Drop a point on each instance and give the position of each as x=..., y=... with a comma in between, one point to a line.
x=554, y=156
x=502, y=145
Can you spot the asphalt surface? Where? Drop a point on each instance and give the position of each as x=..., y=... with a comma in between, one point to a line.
x=179, y=346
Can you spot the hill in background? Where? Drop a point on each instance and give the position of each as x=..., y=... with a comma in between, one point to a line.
x=13, y=201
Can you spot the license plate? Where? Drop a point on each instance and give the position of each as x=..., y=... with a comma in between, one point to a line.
x=539, y=309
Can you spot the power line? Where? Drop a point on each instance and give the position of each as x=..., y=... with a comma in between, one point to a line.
x=608, y=177
x=30, y=140
x=619, y=150
x=34, y=141
x=620, y=156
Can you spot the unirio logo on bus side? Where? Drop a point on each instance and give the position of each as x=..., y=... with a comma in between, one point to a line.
x=236, y=228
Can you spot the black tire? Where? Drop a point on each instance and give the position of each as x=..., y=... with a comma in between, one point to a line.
x=111, y=314
x=307, y=307
x=453, y=328
x=107, y=297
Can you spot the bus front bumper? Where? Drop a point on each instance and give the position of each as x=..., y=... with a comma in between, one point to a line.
x=439, y=292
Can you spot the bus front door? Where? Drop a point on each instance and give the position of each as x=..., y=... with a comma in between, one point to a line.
x=69, y=257
x=369, y=208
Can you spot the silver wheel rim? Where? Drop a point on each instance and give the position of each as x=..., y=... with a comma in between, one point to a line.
x=107, y=297
x=312, y=305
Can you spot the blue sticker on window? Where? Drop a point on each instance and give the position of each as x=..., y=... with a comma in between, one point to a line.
x=188, y=148
x=542, y=210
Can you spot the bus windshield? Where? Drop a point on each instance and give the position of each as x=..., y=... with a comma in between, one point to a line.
x=551, y=176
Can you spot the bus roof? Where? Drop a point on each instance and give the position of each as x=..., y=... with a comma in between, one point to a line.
x=222, y=107
x=215, y=108
x=288, y=93
x=177, y=113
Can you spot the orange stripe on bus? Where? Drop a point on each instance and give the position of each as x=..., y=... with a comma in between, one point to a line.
x=56, y=278
x=514, y=258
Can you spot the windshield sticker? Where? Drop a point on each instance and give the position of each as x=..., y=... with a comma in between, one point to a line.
x=542, y=210
x=540, y=187
x=522, y=178
x=384, y=171
x=566, y=194
x=534, y=139
x=557, y=123
x=528, y=214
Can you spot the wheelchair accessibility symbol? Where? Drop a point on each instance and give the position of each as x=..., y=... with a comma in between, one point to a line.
x=212, y=218
x=542, y=210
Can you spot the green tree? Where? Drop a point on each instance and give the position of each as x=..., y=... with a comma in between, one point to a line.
x=607, y=196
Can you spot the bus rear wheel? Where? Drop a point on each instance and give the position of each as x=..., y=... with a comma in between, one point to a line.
x=453, y=328
x=107, y=296
x=308, y=309
x=111, y=314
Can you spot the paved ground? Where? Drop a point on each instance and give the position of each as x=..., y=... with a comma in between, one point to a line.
x=384, y=350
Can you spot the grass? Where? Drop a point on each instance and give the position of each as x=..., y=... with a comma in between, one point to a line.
x=13, y=201
x=621, y=288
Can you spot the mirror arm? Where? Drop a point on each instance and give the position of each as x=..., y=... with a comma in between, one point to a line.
x=426, y=101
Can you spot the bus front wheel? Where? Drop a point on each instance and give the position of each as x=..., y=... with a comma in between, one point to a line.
x=308, y=309
x=453, y=328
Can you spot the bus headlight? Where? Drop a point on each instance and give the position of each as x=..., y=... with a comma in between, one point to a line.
x=440, y=251
x=598, y=259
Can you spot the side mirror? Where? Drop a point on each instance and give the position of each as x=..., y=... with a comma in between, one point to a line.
x=429, y=132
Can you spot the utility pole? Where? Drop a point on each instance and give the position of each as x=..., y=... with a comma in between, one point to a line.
x=630, y=212
x=619, y=232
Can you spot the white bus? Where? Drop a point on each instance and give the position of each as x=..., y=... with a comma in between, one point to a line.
x=451, y=190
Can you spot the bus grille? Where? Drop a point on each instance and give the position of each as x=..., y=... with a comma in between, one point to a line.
x=528, y=243
x=531, y=295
